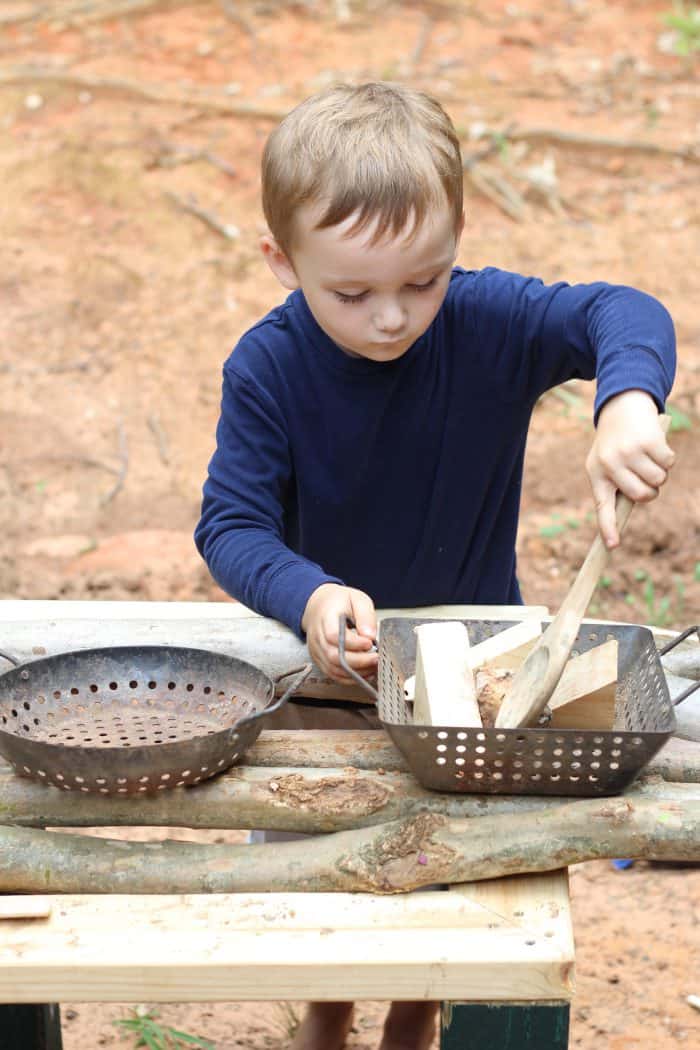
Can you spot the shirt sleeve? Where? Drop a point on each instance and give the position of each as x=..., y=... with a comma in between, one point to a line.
x=240, y=534
x=542, y=335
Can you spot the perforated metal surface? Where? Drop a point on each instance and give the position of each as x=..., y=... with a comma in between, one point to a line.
x=130, y=720
x=531, y=761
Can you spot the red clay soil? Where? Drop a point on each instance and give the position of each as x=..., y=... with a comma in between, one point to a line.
x=118, y=306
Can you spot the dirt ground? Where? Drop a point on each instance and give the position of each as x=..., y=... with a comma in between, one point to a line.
x=130, y=220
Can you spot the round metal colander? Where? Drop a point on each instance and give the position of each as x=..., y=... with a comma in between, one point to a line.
x=133, y=719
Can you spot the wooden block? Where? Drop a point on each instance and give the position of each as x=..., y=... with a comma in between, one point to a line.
x=445, y=694
x=25, y=907
x=507, y=648
x=585, y=695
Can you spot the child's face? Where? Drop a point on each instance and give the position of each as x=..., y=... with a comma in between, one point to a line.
x=373, y=300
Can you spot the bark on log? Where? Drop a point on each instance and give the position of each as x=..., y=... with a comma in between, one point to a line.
x=309, y=801
x=393, y=857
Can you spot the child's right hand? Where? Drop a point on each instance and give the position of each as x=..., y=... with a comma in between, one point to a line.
x=320, y=621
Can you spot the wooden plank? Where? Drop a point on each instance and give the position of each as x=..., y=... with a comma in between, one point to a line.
x=224, y=947
x=585, y=695
x=444, y=694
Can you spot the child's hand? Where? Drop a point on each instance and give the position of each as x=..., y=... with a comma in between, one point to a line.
x=629, y=453
x=320, y=621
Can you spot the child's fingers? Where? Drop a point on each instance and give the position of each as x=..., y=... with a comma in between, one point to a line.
x=364, y=614
x=604, y=494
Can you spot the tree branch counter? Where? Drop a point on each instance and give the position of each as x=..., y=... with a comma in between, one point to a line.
x=96, y=920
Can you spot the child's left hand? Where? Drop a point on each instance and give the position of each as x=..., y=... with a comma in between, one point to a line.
x=629, y=453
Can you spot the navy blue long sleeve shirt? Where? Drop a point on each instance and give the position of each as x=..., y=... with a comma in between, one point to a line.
x=403, y=478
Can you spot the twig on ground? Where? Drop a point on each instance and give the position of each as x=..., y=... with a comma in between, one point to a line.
x=66, y=457
x=121, y=477
x=422, y=39
x=585, y=141
x=189, y=204
x=231, y=11
x=170, y=155
x=33, y=15
x=144, y=92
x=497, y=190
x=87, y=12
x=160, y=438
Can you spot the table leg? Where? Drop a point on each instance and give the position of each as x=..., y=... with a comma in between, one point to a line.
x=504, y=1026
x=30, y=1026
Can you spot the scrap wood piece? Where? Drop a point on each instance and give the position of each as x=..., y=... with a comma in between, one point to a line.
x=143, y=92
x=390, y=858
x=25, y=907
x=584, y=697
x=445, y=693
x=507, y=648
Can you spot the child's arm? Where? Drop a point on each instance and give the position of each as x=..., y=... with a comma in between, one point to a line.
x=320, y=622
x=629, y=453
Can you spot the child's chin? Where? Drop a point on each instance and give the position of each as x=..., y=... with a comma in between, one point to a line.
x=386, y=352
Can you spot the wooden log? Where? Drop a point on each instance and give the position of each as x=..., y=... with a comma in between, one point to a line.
x=585, y=695
x=445, y=694
x=390, y=858
x=279, y=799
x=39, y=628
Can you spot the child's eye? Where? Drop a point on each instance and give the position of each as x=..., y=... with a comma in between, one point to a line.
x=350, y=298
x=423, y=287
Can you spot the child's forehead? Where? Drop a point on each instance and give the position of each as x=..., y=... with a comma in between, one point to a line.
x=345, y=246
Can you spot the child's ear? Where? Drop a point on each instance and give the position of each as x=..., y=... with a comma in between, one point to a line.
x=278, y=262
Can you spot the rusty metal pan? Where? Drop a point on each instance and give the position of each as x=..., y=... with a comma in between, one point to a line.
x=131, y=720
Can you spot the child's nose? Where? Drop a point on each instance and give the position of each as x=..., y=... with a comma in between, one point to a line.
x=390, y=317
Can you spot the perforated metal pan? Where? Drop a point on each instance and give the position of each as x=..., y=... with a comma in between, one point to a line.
x=134, y=719
x=531, y=761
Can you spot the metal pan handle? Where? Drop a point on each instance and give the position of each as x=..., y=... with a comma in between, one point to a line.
x=671, y=645
x=10, y=659
x=343, y=623
x=303, y=674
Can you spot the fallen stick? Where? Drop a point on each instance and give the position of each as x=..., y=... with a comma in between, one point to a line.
x=121, y=476
x=144, y=92
x=585, y=141
x=394, y=857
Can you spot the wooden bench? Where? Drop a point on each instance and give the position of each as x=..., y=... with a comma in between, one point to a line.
x=498, y=954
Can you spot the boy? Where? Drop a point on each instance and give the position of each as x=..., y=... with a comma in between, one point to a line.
x=373, y=427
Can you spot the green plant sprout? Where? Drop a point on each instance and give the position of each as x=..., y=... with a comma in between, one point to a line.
x=556, y=526
x=154, y=1036
x=679, y=420
x=685, y=22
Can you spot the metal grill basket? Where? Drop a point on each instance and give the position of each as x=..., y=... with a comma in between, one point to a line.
x=533, y=761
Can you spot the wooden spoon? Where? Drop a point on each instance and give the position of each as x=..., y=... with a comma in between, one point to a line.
x=535, y=681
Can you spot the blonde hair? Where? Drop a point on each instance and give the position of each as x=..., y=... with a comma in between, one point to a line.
x=382, y=151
